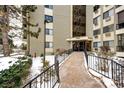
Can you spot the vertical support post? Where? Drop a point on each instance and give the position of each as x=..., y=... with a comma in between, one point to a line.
x=86, y=55
x=44, y=43
x=112, y=69
x=30, y=85
x=57, y=68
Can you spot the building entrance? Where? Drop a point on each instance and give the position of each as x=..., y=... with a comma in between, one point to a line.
x=81, y=45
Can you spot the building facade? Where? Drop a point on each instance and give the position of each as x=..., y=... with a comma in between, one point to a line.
x=108, y=28
x=65, y=27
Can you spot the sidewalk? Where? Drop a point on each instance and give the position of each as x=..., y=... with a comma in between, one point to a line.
x=73, y=74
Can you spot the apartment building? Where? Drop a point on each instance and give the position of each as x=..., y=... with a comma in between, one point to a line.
x=65, y=27
x=108, y=28
x=120, y=30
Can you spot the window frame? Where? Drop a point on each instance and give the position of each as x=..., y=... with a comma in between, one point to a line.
x=108, y=13
x=49, y=18
x=48, y=6
x=109, y=28
x=108, y=43
x=97, y=32
x=48, y=46
x=48, y=31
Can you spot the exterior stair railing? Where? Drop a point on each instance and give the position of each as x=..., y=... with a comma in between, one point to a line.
x=106, y=67
x=49, y=77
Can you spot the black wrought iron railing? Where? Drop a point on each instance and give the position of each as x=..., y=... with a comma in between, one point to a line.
x=106, y=67
x=120, y=26
x=49, y=77
x=61, y=57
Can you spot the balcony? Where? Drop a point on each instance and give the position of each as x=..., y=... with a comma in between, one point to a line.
x=96, y=37
x=108, y=19
x=120, y=48
x=96, y=11
x=120, y=26
x=107, y=34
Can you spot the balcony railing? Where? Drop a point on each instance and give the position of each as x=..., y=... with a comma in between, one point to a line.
x=120, y=48
x=106, y=67
x=49, y=77
x=120, y=26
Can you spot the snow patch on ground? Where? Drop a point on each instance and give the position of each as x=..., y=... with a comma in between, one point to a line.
x=4, y=61
x=51, y=59
x=109, y=83
x=37, y=65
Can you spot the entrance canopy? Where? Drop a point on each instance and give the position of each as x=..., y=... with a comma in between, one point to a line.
x=83, y=38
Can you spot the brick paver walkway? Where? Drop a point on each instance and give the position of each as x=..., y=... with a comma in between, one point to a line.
x=73, y=74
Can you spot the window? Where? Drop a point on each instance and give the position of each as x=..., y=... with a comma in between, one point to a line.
x=49, y=18
x=108, y=14
x=49, y=31
x=121, y=17
x=95, y=21
x=120, y=39
x=49, y=45
x=96, y=44
x=108, y=28
x=49, y=6
x=96, y=32
x=1, y=41
x=120, y=20
x=108, y=43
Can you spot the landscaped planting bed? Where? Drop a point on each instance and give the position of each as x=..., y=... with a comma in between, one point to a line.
x=13, y=77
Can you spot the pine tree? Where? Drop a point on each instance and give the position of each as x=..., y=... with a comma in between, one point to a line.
x=26, y=10
x=13, y=11
x=4, y=22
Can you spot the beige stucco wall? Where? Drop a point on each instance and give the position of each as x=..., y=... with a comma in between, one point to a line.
x=98, y=39
x=106, y=8
x=120, y=31
x=107, y=37
x=62, y=26
x=89, y=20
x=36, y=45
x=120, y=54
x=119, y=9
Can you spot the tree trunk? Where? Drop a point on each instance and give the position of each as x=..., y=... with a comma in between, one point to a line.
x=4, y=29
x=5, y=42
x=28, y=35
